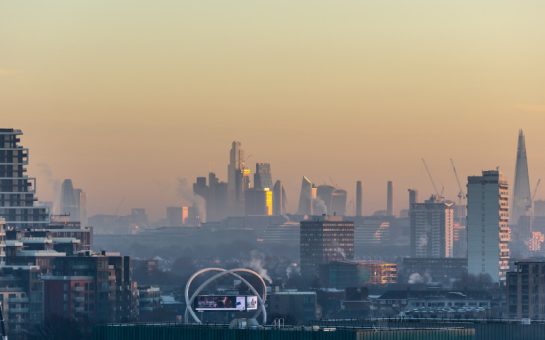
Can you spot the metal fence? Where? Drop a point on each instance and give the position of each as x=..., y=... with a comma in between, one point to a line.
x=484, y=329
x=214, y=332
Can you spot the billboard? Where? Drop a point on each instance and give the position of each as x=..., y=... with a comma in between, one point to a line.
x=220, y=303
x=251, y=302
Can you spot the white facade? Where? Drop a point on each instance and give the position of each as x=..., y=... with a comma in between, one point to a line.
x=488, y=225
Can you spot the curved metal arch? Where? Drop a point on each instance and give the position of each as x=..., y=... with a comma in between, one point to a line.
x=223, y=272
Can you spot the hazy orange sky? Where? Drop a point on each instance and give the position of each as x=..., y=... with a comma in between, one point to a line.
x=124, y=97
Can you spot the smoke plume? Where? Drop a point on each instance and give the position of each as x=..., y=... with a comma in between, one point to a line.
x=257, y=263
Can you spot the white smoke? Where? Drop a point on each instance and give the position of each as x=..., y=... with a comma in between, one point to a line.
x=416, y=278
x=423, y=241
x=292, y=269
x=257, y=263
x=319, y=207
x=54, y=183
x=185, y=193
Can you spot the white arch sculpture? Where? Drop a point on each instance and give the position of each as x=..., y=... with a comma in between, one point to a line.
x=221, y=273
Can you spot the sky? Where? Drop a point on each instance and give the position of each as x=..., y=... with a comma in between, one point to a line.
x=127, y=97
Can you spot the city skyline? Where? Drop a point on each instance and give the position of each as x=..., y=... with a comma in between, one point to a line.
x=374, y=197
x=80, y=78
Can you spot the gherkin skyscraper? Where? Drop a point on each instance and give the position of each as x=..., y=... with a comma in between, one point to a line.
x=522, y=199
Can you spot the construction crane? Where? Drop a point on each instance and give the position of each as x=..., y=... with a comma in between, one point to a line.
x=431, y=178
x=461, y=194
x=532, y=205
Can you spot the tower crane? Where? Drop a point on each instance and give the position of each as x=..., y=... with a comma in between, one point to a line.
x=461, y=194
x=431, y=178
x=533, y=200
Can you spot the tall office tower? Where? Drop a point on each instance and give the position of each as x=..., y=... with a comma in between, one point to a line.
x=279, y=199
x=306, y=198
x=338, y=202
x=174, y=216
x=522, y=200
x=238, y=180
x=432, y=228
x=17, y=190
x=69, y=203
x=324, y=195
x=359, y=199
x=413, y=197
x=259, y=202
x=488, y=225
x=81, y=201
x=262, y=176
x=324, y=239
x=390, y=199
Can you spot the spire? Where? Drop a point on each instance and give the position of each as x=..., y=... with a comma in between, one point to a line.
x=522, y=201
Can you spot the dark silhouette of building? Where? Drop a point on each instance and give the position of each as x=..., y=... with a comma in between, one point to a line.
x=259, y=202
x=526, y=290
x=324, y=239
x=262, y=176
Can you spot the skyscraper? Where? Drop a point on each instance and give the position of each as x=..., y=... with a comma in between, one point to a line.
x=488, y=225
x=359, y=199
x=338, y=202
x=237, y=180
x=17, y=190
x=390, y=199
x=259, y=202
x=68, y=201
x=522, y=200
x=307, y=196
x=432, y=228
x=324, y=195
x=262, y=176
x=324, y=239
x=279, y=199
x=73, y=202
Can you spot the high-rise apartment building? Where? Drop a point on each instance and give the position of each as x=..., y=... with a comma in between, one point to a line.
x=324, y=239
x=488, y=225
x=17, y=189
x=432, y=228
x=526, y=290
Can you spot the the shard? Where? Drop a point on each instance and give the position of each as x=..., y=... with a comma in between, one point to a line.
x=522, y=201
